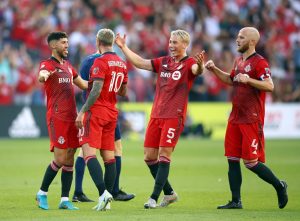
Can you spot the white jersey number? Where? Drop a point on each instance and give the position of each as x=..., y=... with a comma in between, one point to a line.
x=116, y=81
x=170, y=135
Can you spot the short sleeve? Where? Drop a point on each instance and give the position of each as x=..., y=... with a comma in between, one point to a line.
x=98, y=70
x=85, y=69
x=156, y=62
x=233, y=70
x=44, y=65
x=74, y=72
x=263, y=70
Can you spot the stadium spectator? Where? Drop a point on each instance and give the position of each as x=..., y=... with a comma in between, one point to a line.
x=211, y=24
x=58, y=77
x=175, y=76
x=244, y=139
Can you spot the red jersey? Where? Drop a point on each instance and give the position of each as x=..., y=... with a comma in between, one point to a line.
x=248, y=103
x=59, y=89
x=112, y=69
x=174, y=81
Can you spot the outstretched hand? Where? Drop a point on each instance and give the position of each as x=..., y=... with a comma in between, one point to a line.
x=120, y=41
x=200, y=58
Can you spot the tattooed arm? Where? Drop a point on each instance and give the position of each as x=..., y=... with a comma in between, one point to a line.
x=94, y=94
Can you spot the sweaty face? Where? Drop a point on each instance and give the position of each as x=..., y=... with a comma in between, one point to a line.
x=176, y=46
x=242, y=42
x=62, y=46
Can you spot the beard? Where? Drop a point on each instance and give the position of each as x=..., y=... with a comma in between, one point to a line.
x=61, y=54
x=243, y=48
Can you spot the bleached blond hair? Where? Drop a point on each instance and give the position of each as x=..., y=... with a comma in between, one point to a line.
x=185, y=36
x=106, y=36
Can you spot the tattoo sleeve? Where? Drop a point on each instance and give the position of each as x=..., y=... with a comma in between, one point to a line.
x=94, y=94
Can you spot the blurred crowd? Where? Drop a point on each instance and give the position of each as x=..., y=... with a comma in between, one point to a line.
x=212, y=24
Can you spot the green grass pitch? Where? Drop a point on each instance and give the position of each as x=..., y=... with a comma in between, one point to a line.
x=198, y=174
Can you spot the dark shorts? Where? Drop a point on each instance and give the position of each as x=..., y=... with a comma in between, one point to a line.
x=117, y=133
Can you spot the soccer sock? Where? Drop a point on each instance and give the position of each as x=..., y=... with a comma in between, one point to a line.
x=79, y=172
x=153, y=167
x=66, y=180
x=96, y=173
x=161, y=176
x=235, y=179
x=49, y=176
x=116, y=188
x=110, y=174
x=266, y=174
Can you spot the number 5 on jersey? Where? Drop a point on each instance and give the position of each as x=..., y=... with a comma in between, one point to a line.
x=170, y=134
x=116, y=81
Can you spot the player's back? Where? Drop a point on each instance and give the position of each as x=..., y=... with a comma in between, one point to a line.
x=59, y=89
x=112, y=69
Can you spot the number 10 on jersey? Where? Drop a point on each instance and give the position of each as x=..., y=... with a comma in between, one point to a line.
x=116, y=81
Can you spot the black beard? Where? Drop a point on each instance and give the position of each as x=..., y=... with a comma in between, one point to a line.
x=60, y=54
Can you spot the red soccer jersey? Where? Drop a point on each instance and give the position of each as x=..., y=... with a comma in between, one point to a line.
x=174, y=81
x=59, y=89
x=112, y=69
x=248, y=103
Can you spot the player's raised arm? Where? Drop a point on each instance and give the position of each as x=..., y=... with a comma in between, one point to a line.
x=134, y=58
x=222, y=75
x=198, y=68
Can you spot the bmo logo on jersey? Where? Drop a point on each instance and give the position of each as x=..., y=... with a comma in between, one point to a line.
x=64, y=80
x=176, y=75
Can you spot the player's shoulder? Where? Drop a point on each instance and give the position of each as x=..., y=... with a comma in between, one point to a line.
x=46, y=63
x=90, y=58
x=260, y=60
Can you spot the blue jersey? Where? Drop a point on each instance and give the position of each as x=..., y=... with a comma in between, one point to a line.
x=86, y=65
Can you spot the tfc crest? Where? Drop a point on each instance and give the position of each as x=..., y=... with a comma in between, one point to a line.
x=61, y=140
x=247, y=68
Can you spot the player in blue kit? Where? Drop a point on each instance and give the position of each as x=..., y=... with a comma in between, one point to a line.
x=117, y=193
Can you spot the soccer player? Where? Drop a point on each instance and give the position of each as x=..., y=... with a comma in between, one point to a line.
x=118, y=194
x=58, y=77
x=244, y=139
x=98, y=116
x=175, y=76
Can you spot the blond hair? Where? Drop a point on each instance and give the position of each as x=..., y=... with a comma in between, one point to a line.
x=106, y=36
x=185, y=36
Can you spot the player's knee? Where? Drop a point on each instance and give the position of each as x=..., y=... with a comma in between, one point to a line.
x=150, y=162
x=68, y=168
x=250, y=164
x=87, y=158
x=164, y=159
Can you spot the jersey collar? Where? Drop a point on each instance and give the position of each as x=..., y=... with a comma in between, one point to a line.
x=54, y=59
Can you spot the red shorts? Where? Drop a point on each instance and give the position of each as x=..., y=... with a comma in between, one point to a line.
x=245, y=141
x=63, y=134
x=98, y=133
x=163, y=132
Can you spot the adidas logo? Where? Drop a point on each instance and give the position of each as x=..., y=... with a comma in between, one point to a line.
x=24, y=125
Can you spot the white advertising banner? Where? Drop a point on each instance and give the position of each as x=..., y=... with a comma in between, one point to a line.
x=282, y=121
